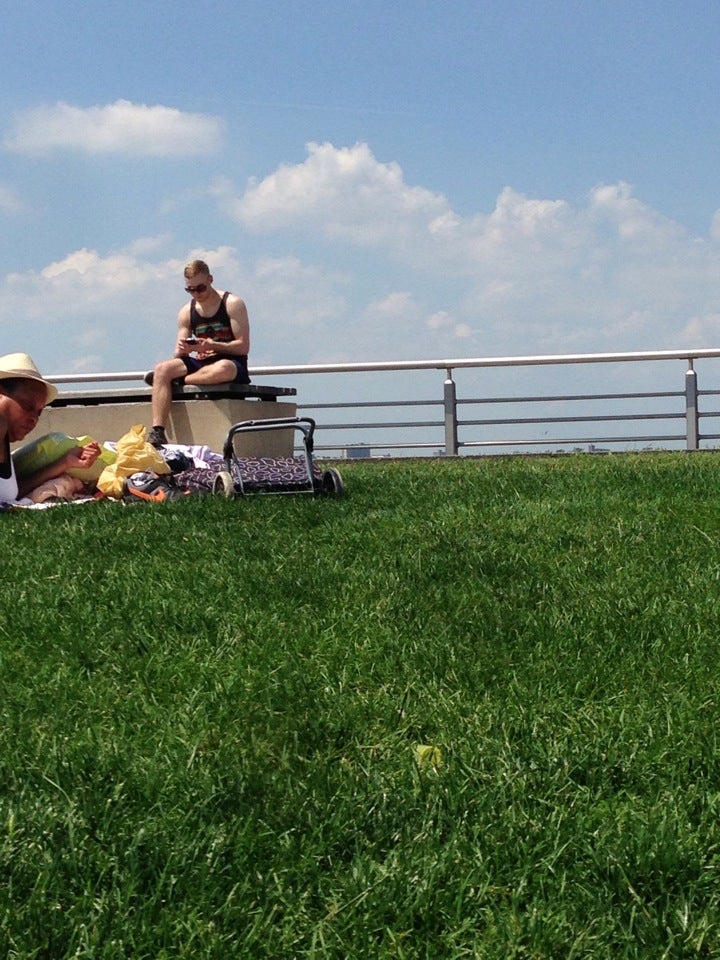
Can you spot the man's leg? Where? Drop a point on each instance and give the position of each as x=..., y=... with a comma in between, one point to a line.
x=222, y=371
x=165, y=372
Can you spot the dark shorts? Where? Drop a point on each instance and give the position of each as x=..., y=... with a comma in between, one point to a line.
x=241, y=369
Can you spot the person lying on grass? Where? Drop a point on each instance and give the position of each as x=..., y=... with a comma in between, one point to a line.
x=23, y=396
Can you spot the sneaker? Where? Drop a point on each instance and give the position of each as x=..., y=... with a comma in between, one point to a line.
x=157, y=438
x=177, y=384
x=148, y=486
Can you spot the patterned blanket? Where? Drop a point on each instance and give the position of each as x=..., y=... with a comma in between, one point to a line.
x=255, y=475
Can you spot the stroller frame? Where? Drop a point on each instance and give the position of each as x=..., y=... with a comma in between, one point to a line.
x=299, y=474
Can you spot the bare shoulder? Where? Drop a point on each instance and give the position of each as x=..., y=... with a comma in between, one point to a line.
x=184, y=323
x=236, y=307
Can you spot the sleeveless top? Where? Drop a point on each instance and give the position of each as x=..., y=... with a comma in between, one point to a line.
x=8, y=481
x=216, y=327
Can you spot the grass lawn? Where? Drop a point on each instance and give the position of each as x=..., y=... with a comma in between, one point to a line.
x=469, y=711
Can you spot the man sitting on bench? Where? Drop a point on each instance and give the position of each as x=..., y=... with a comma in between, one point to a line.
x=212, y=346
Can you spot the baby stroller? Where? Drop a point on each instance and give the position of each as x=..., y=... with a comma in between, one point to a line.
x=246, y=475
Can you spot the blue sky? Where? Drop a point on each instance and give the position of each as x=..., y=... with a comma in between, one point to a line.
x=378, y=180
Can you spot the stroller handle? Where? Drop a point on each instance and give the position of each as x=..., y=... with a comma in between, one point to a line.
x=306, y=425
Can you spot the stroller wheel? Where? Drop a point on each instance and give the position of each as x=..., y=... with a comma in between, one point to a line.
x=223, y=484
x=332, y=483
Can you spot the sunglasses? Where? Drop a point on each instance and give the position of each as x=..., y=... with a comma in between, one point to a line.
x=200, y=288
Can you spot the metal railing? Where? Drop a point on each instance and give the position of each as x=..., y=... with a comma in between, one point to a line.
x=451, y=433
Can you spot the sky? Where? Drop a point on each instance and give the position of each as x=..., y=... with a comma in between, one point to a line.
x=379, y=180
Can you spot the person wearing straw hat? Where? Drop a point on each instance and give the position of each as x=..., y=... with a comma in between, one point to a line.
x=23, y=395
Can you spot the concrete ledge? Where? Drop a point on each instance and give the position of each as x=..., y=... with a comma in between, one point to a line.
x=198, y=416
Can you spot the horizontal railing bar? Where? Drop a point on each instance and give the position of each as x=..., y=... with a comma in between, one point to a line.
x=379, y=426
x=377, y=446
x=356, y=404
x=596, y=419
x=392, y=424
x=566, y=440
x=470, y=400
x=463, y=362
x=546, y=441
x=552, y=441
x=582, y=396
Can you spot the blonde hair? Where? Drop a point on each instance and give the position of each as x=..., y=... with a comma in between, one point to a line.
x=196, y=266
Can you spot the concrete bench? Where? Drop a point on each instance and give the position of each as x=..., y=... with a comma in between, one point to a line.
x=198, y=415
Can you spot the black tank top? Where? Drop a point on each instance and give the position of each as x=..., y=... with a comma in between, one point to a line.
x=6, y=463
x=216, y=327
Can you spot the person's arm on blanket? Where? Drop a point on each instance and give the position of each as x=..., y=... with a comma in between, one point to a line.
x=76, y=458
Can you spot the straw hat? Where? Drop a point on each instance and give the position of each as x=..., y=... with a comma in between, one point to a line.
x=21, y=365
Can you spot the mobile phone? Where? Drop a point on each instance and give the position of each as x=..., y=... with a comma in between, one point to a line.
x=191, y=339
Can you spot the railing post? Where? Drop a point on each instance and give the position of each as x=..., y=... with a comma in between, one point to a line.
x=451, y=423
x=691, y=408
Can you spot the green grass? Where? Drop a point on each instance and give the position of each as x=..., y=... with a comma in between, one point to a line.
x=211, y=713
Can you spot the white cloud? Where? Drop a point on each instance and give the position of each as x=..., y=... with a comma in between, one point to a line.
x=396, y=304
x=97, y=277
x=297, y=311
x=118, y=311
x=89, y=312
x=345, y=192
x=88, y=364
x=395, y=274
x=10, y=203
x=701, y=331
x=438, y=320
x=532, y=275
x=121, y=127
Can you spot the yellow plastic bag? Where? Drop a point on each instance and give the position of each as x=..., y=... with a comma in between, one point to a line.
x=50, y=447
x=134, y=454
